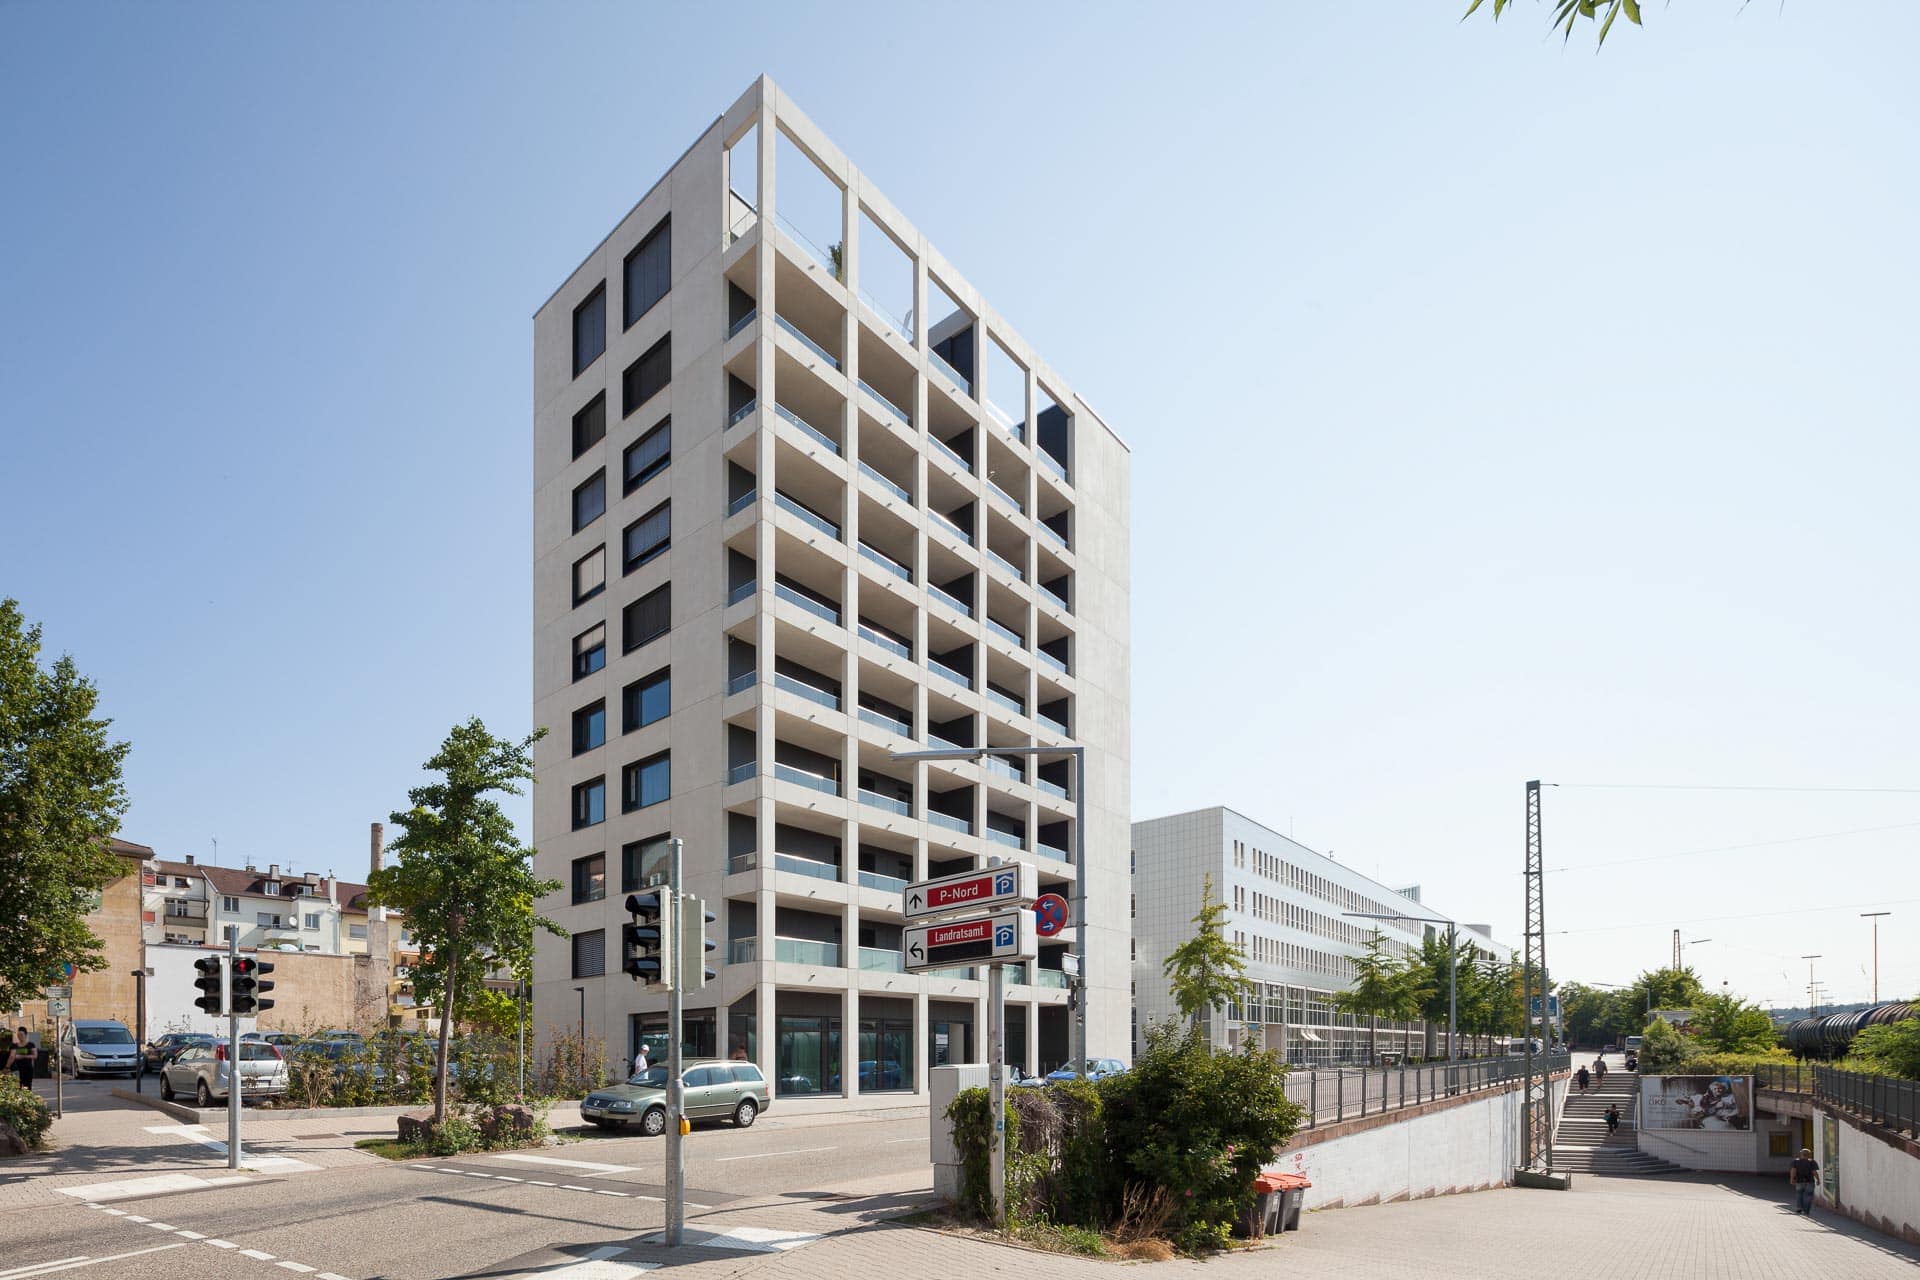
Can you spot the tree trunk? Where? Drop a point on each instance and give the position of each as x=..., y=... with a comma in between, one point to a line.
x=446, y=1021
x=1373, y=1039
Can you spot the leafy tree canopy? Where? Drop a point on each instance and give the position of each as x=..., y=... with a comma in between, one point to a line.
x=1206, y=971
x=1724, y=1023
x=61, y=799
x=1568, y=12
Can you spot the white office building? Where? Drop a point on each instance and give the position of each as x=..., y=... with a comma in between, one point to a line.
x=1285, y=906
x=803, y=500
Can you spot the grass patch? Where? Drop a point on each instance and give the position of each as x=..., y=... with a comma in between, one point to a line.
x=1052, y=1237
x=387, y=1148
x=589, y=1132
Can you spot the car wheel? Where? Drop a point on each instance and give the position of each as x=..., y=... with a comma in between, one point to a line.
x=746, y=1113
x=166, y=1088
x=654, y=1123
x=204, y=1095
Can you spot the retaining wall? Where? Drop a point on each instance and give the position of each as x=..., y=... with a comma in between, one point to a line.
x=1868, y=1173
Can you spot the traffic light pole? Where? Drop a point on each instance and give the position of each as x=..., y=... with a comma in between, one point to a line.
x=676, y=1100
x=233, y=1058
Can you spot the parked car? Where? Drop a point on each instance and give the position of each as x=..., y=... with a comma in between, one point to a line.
x=1018, y=1078
x=714, y=1090
x=284, y=1039
x=160, y=1049
x=1097, y=1069
x=201, y=1072
x=98, y=1047
x=347, y=1057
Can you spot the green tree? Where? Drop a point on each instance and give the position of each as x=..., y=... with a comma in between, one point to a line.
x=61, y=799
x=1384, y=986
x=1588, y=1013
x=1431, y=981
x=1663, y=1050
x=1890, y=1049
x=463, y=878
x=1725, y=1023
x=1658, y=989
x=1206, y=971
x=1567, y=12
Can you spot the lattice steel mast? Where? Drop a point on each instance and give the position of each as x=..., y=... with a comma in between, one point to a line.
x=1536, y=1118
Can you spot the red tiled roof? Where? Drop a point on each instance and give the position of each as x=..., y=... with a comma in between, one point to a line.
x=237, y=880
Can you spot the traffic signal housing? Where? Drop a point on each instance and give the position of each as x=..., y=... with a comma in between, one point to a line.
x=248, y=991
x=212, y=984
x=695, y=944
x=646, y=945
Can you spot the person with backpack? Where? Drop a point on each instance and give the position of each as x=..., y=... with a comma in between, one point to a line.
x=1804, y=1174
x=1613, y=1119
x=1580, y=1078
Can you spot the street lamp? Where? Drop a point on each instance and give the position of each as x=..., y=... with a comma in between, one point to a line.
x=1453, y=964
x=140, y=977
x=1079, y=755
x=1812, y=996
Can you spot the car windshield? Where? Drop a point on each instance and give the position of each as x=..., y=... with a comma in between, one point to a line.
x=254, y=1051
x=651, y=1078
x=103, y=1035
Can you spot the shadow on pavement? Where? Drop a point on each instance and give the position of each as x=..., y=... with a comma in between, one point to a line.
x=1776, y=1191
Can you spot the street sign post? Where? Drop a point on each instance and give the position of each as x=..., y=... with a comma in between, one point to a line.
x=1006, y=885
x=1005, y=937
x=57, y=1007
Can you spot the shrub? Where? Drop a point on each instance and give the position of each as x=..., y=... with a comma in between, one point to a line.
x=24, y=1111
x=1664, y=1051
x=1892, y=1049
x=1737, y=1064
x=575, y=1066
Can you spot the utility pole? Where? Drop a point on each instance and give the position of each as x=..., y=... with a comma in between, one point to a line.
x=1813, y=1000
x=1875, y=917
x=676, y=1099
x=1536, y=1118
x=233, y=1057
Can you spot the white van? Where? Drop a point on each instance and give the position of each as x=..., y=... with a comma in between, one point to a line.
x=98, y=1047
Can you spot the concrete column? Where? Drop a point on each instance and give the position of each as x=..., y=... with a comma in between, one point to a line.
x=923, y=1037
x=850, y=1041
x=1032, y=1064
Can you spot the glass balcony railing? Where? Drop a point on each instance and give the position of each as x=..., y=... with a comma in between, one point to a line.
x=1050, y=978
x=1019, y=574
x=945, y=744
x=742, y=224
x=897, y=490
x=801, y=951
x=742, y=950
x=739, y=326
x=1006, y=838
x=949, y=599
x=1051, y=788
x=806, y=515
x=1007, y=633
x=963, y=972
x=885, y=721
x=1014, y=426
x=1053, y=464
x=1004, y=767
x=805, y=341
x=1015, y=974
x=887, y=562
x=900, y=328
x=742, y=502
x=742, y=682
x=881, y=960
x=1006, y=497
x=1058, y=664
x=1058, y=854
x=1006, y=701
x=886, y=404
x=886, y=642
x=1058, y=726
x=742, y=592
x=805, y=867
x=950, y=373
x=1054, y=536
x=806, y=778
x=885, y=883
x=941, y=446
x=807, y=428
x=811, y=692
x=950, y=822
x=806, y=602
x=940, y=668
x=799, y=237
x=742, y=413
x=950, y=526
x=742, y=772
x=742, y=862
x=892, y=804
x=1055, y=597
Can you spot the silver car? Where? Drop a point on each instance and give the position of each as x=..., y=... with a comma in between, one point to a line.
x=201, y=1073
x=98, y=1047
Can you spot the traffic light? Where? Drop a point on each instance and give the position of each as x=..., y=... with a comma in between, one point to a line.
x=212, y=983
x=694, y=943
x=646, y=945
x=248, y=995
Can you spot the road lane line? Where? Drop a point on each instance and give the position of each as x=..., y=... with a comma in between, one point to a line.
x=35, y=1266
x=258, y=1255
x=185, y=1234
x=48, y=1268
x=223, y=1244
x=589, y=1165
x=300, y=1267
x=161, y=1226
x=134, y=1217
x=768, y=1155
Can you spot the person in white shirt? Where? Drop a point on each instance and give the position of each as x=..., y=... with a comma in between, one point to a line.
x=640, y=1061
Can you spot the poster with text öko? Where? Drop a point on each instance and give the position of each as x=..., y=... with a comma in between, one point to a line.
x=1696, y=1102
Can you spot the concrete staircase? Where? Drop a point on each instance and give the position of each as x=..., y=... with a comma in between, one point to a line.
x=1581, y=1143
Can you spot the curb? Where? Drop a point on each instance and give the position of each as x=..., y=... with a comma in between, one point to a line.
x=190, y=1115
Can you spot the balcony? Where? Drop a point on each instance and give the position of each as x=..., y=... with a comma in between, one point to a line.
x=1050, y=851
x=892, y=408
x=898, y=491
x=1055, y=597
x=1006, y=497
x=1050, y=978
x=1006, y=701
x=963, y=972
x=1058, y=726
x=1007, y=633
x=885, y=642
x=950, y=600
x=945, y=744
x=743, y=772
x=950, y=527
x=900, y=328
x=940, y=668
x=950, y=822
x=742, y=682
x=1049, y=660
x=806, y=515
x=805, y=867
x=1051, y=788
x=886, y=721
x=741, y=414
x=1003, y=766
x=1055, y=466
x=806, y=778
x=812, y=250
x=808, y=428
x=887, y=884
x=1019, y=574
x=739, y=326
x=941, y=446
x=1054, y=536
x=881, y=960
x=948, y=372
x=742, y=502
x=1006, y=838
x=807, y=342
x=817, y=608
x=742, y=592
x=880, y=801
x=742, y=950
x=887, y=562
x=1014, y=427
x=800, y=688
x=801, y=951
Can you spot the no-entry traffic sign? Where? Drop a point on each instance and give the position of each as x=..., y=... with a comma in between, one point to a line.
x=1007, y=885
x=1003, y=937
x=1049, y=914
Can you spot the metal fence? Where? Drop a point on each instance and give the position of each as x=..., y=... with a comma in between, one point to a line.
x=1784, y=1077
x=1329, y=1095
x=1886, y=1101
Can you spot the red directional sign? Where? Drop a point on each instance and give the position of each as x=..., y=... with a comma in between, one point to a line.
x=1000, y=886
x=1049, y=914
x=1004, y=937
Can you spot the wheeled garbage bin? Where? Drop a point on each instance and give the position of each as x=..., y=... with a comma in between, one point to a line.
x=1289, y=1192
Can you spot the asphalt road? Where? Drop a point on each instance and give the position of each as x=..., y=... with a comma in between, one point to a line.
x=477, y=1215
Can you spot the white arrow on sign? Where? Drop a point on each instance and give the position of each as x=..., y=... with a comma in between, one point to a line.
x=1001, y=938
x=1002, y=886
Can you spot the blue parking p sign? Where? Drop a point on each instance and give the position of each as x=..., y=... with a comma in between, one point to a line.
x=1003, y=936
x=1004, y=884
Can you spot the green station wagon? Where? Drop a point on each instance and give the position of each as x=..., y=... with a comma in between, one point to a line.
x=713, y=1089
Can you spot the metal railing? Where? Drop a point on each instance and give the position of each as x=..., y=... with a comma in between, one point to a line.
x=805, y=341
x=953, y=375
x=1329, y=1095
x=1886, y=1101
x=886, y=404
x=807, y=428
x=897, y=490
x=1785, y=1077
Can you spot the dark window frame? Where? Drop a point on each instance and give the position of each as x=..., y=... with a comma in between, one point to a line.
x=585, y=943
x=583, y=719
x=634, y=389
x=595, y=299
x=662, y=235
x=664, y=593
x=583, y=877
x=637, y=772
x=585, y=488
x=632, y=855
x=628, y=560
x=582, y=807
x=589, y=427
x=630, y=481
x=578, y=597
x=633, y=700
x=582, y=657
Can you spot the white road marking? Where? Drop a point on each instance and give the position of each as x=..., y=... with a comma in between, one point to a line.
x=48, y=1268
x=258, y=1255
x=535, y=1182
x=223, y=1244
x=199, y=1133
x=768, y=1155
x=161, y=1226
x=185, y=1234
x=597, y=1191
x=328, y=1275
x=134, y=1217
x=131, y=1188
x=597, y=1265
x=20, y=1271
x=118, y=1213
x=746, y=1239
x=556, y=1161
x=301, y=1267
x=503, y=1177
x=890, y=1141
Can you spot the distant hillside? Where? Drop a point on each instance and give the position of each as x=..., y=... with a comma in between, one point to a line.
x=1800, y=1011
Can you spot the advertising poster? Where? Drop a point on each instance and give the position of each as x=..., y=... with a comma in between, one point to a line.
x=1830, y=1158
x=1696, y=1102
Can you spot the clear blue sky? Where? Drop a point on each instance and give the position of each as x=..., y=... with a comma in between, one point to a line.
x=1499, y=410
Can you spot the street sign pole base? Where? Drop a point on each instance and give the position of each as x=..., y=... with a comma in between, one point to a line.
x=1542, y=1180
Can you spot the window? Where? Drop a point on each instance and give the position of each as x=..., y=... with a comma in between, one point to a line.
x=648, y=456
x=590, y=501
x=645, y=701
x=590, y=575
x=229, y=933
x=589, y=803
x=589, y=329
x=590, y=878
x=647, y=618
x=179, y=882
x=646, y=377
x=590, y=953
x=272, y=888
x=640, y=858
x=590, y=425
x=267, y=919
x=589, y=651
x=311, y=920
x=590, y=726
x=645, y=782
x=649, y=268
x=229, y=904
x=745, y=1073
x=648, y=536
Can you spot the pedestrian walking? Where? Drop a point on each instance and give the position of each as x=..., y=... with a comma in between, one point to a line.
x=1613, y=1120
x=20, y=1057
x=1600, y=1070
x=1804, y=1174
x=640, y=1061
x=1580, y=1078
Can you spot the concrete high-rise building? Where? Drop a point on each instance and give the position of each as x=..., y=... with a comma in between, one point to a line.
x=803, y=500
x=1285, y=912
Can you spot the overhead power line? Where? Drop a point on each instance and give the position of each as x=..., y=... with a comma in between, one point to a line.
x=1682, y=786
x=1752, y=915
x=1735, y=848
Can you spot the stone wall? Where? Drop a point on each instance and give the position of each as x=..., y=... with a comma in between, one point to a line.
x=108, y=992
x=312, y=992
